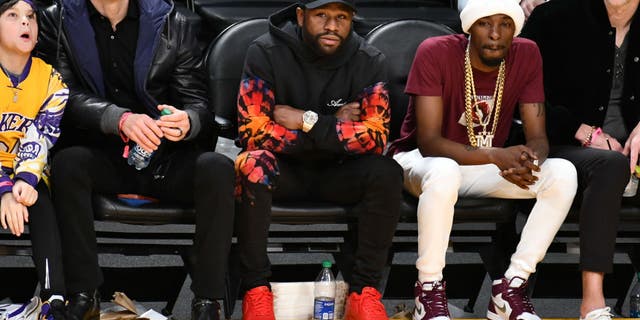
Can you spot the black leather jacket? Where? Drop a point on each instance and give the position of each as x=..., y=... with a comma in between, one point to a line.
x=168, y=70
x=577, y=44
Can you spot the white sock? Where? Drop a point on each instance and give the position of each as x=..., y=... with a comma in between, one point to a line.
x=516, y=271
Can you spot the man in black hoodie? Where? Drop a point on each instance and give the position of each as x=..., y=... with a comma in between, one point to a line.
x=313, y=112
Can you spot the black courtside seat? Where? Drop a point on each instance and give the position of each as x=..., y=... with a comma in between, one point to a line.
x=224, y=60
x=372, y=13
x=220, y=14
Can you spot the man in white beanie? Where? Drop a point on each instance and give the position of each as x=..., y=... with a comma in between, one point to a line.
x=463, y=95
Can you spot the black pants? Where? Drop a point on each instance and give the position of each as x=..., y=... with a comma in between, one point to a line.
x=205, y=180
x=372, y=183
x=45, y=240
x=602, y=176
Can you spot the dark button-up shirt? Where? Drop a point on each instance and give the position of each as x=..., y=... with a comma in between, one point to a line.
x=117, y=50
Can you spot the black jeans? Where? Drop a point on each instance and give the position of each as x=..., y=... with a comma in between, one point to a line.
x=602, y=176
x=45, y=240
x=372, y=183
x=205, y=180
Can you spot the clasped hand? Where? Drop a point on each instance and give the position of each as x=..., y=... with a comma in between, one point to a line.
x=147, y=132
x=517, y=165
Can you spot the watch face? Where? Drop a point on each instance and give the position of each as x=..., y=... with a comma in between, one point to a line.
x=310, y=117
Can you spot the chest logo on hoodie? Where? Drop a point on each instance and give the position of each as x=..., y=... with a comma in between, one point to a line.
x=336, y=103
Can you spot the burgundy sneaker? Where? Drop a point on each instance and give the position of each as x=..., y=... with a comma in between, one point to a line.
x=509, y=301
x=431, y=301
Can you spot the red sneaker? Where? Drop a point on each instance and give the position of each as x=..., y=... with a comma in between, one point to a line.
x=365, y=306
x=258, y=304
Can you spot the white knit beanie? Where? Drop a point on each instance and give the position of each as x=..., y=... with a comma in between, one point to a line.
x=476, y=9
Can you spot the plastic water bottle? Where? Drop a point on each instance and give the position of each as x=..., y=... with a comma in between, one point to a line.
x=632, y=187
x=140, y=158
x=634, y=300
x=324, y=293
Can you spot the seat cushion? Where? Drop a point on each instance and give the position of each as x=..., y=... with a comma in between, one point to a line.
x=110, y=208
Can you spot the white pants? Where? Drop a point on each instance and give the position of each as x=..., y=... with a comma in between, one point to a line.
x=438, y=182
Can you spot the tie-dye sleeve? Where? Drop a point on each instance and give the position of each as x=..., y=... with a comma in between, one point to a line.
x=367, y=135
x=42, y=134
x=370, y=134
x=256, y=128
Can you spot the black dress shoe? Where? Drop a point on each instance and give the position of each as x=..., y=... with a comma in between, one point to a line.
x=205, y=309
x=84, y=306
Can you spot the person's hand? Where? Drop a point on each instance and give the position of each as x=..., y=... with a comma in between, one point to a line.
x=522, y=175
x=176, y=125
x=597, y=138
x=349, y=112
x=288, y=116
x=24, y=193
x=13, y=214
x=142, y=130
x=606, y=142
x=632, y=148
x=512, y=157
x=529, y=5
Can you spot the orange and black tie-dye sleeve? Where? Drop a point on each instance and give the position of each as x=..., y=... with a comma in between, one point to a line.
x=370, y=134
x=256, y=128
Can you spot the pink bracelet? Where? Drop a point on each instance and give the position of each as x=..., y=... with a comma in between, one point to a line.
x=125, y=139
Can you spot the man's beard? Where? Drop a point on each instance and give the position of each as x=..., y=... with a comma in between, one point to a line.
x=314, y=41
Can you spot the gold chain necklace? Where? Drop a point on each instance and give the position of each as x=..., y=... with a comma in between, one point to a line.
x=484, y=139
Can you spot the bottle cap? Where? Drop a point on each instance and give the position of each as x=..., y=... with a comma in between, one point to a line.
x=165, y=112
x=326, y=264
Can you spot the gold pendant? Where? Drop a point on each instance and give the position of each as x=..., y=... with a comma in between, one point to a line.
x=484, y=140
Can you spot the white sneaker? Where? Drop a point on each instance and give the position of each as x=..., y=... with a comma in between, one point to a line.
x=599, y=314
x=27, y=311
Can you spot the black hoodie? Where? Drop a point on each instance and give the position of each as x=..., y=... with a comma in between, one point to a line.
x=280, y=68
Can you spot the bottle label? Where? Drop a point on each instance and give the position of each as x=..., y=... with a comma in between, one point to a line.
x=139, y=158
x=323, y=308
